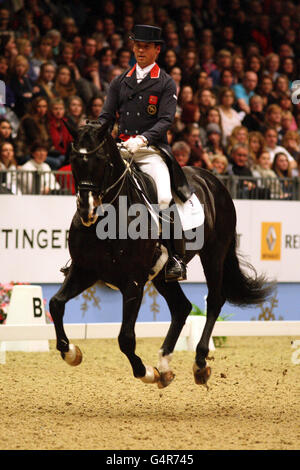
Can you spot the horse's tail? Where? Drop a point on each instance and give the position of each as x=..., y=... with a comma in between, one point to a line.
x=239, y=287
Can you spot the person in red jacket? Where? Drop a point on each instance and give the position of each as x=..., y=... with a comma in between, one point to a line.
x=60, y=136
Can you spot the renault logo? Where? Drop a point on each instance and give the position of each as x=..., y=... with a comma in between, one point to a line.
x=271, y=238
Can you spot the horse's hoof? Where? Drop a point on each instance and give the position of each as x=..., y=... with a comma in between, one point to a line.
x=74, y=356
x=152, y=375
x=165, y=379
x=201, y=376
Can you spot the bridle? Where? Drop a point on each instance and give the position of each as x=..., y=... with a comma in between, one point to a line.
x=89, y=186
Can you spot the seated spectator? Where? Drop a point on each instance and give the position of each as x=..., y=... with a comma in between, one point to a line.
x=45, y=80
x=6, y=131
x=33, y=124
x=205, y=99
x=265, y=89
x=8, y=168
x=123, y=58
x=287, y=105
x=176, y=74
x=186, y=95
x=281, y=86
x=181, y=151
x=75, y=112
x=60, y=136
x=272, y=64
x=39, y=179
x=288, y=68
x=189, y=67
x=255, y=120
x=66, y=57
x=239, y=167
x=239, y=135
x=213, y=116
x=243, y=91
x=271, y=138
x=190, y=113
x=287, y=124
x=224, y=61
x=22, y=87
x=290, y=141
x=169, y=60
x=238, y=68
x=198, y=156
x=64, y=84
x=106, y=65
x=229, y=117
x=24, y=48
x=214, y=140
x=262, y=169
x=283, y=169
x=273, y=119
x=256, y=144
x=256, y=65
x=219, y=165
x=94, y=108
x=43, y=53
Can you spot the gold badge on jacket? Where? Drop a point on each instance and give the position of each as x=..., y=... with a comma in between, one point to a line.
x=152, y=109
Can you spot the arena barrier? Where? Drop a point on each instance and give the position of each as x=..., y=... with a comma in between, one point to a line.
x=28, y=332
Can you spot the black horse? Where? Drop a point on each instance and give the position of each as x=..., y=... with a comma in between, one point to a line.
x=101, y=175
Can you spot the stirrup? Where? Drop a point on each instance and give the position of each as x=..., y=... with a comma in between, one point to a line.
x=175, y=270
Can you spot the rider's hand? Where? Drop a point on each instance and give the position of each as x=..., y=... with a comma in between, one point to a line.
x=133, y=144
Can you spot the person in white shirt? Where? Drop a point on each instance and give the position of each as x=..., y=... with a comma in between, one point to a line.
x=271, y=139
x=8, y=167
x=229, y=117
x=41, y=182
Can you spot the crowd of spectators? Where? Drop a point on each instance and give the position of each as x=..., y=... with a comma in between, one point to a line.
x=234, y=63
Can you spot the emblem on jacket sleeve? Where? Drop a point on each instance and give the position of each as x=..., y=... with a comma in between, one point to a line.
x=152, y=109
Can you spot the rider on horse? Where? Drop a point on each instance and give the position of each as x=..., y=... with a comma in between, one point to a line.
x=145, y=99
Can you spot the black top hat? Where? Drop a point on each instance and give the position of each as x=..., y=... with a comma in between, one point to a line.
x=146, y=33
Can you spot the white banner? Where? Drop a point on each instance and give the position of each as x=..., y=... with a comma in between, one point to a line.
x=34, y=233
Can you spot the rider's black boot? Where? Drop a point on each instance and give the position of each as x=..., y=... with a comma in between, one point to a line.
x=175, y=268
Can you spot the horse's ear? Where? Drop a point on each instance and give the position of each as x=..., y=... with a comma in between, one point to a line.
x=71, y=129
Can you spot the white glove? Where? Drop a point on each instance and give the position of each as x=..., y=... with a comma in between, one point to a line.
x=133, y=144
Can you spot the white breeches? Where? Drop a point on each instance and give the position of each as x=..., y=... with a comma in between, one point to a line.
x=152, y=163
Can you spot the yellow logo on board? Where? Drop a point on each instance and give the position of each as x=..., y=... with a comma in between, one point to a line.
x=271, y=241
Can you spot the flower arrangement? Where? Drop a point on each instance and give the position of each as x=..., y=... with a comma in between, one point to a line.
x=5, y=295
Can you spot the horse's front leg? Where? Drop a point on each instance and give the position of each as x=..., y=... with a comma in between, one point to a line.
x=76, y=281
x=132, y=298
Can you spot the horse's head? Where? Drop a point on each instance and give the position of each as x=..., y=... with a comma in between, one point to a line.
x=91, y=167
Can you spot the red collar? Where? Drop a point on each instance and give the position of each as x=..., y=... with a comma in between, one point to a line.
x=154, y=72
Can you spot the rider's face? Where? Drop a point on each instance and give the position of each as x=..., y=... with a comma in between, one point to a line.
x=145, y=52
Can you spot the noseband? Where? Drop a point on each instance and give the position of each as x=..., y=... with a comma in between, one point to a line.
x=89, y=186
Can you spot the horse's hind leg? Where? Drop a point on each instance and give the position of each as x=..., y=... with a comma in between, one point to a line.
x=75, y=282
x=212, y=262
x=180, y=308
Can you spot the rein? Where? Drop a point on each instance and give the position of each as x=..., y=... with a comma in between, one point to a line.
x=86, y=185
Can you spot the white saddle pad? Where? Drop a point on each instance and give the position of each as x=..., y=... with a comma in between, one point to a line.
x=191, y=212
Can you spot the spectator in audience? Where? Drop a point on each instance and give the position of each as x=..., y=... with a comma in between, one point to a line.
x=186, y=95
x=239, y=167
x=33, y=124
x=22, y=87
x=6, y=131
x=43, y=53
x=25, y=48
x=283, y=169
x=181, y=152
x=39, y=179
x=60, y=136
x=176, y=74
x=229, y=117
x=239, y=135
x=290, y=141
x=256, y=144
x=256, y=65
x=238, y=68
x=271, y=138
x=214, y=140
x=243, y=91
x=123, y=58
x=89, y=51
x=267, y=177
x=288, y=68
x=75, y=112
x=224, y=61
x=45, y=81
x=205, y=99
x=8, y=167
x=64, y=84
x=273, y=118
x=272, y=64
x=265, y=91
x=94, y=108
x=219, y=165
x=255, y=120
x=198, y=156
